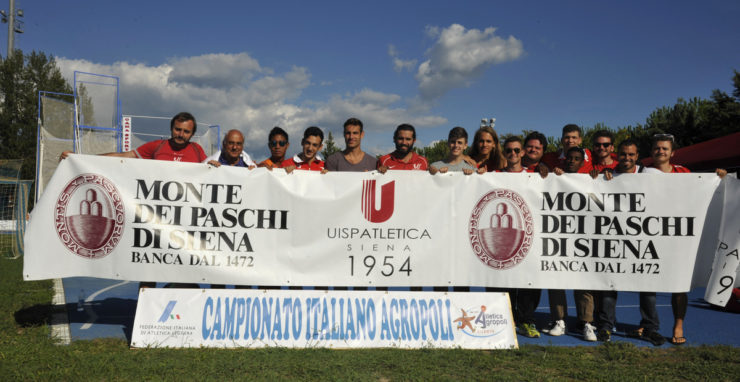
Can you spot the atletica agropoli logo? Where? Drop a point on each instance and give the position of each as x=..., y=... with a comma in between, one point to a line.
x=501, y=229
x=89, y=216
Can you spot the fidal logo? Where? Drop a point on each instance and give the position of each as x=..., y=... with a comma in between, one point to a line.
x=167, y=312
x=89, y=216
x=370, y=210
x=501, y=229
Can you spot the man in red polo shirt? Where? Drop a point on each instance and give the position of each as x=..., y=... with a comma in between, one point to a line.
x=178, y=148
x=308, y=159
x=404, y=158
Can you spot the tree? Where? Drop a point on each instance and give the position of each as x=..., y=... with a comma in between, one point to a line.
x=436, y=151
x=329, y=146
x=21, y=78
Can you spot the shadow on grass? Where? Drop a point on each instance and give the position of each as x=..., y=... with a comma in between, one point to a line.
x=36, y=315
x=111, y=311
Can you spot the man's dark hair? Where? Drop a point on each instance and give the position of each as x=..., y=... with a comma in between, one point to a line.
x=538, y=136
x=407, y=127
x=571, y=127
x=628, y=142
x=456, y=133
x=277, y=131
x=604, y=134
x=181, y=117
x=513, y=138
x=576, y=149
x=353, y=122
x=313, y=131
x=663, y=137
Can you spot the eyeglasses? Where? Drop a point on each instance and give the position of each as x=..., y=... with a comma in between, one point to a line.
x=510, y=150
x=602, y=144
x=278, y=143
x=663, y=136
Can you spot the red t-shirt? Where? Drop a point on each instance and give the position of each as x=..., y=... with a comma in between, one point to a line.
x=417, y=162
x=161, y=150
x=269, y=162
x=316, y=165
x=677, y=168
x=557, y=159
x=602, y=167
x=524, y=169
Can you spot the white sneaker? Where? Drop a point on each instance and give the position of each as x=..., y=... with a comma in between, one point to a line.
x=588, y=332
x=556, y=328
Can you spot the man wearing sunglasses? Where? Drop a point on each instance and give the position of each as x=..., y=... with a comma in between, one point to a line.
x=277, y=142
x=524, y=301
x=513, y=152
x=602, y=146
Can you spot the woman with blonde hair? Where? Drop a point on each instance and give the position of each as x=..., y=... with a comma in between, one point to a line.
x=486, y=150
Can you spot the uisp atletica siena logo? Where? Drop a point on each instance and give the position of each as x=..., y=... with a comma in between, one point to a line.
x=501, y=229
x=369, y=205
x=89, y=216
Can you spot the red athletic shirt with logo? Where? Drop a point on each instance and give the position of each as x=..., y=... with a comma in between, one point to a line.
x=417, y=162
x=602, y=167
x=677, y=168
x=316, y=165
x=161, y=150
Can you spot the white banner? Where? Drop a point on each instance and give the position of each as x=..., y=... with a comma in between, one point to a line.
x=726, y=266
x=256, y=318
x=161, y=221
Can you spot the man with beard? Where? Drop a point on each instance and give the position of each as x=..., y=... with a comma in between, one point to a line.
x=231, y=153
x=627, y=158
x=404, y=158
x=602, y=145
x=352, y=158
x=178, y=148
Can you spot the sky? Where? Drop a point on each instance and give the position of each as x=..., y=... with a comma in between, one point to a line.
x=534, y=65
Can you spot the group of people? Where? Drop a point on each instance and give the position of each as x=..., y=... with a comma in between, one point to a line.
x=595, y=309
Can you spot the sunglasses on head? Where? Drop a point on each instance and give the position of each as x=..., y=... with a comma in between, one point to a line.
x=664, y=136
x=510, y=150
x=278, y=143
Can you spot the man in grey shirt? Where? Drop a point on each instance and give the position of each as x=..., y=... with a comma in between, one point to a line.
x=458, y=142
x=352, y=158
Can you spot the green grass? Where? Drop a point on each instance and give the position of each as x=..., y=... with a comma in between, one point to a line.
x=27, y=353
